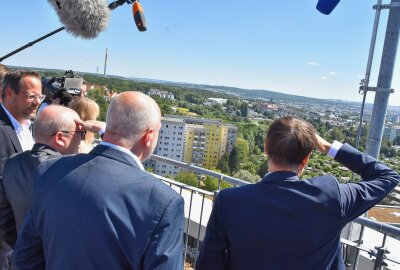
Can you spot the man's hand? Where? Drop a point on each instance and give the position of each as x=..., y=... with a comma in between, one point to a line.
x=322, y=145
x=91, y=125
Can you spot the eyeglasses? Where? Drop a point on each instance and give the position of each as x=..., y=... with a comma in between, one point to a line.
x=82, y=132
x=32, y=97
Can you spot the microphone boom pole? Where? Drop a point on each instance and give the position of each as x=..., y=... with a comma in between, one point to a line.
x=111, y=6
x=31, y=43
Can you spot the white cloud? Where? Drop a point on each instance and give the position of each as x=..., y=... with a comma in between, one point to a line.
x=312, y=64
x=323, y=77
x=333, y=73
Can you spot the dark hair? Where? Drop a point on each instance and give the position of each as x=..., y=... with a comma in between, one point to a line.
x=13, y=79
x=289, y=140
x=64, y=96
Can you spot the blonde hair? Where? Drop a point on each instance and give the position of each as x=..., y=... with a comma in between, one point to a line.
x=3, y=72
x=87, y=109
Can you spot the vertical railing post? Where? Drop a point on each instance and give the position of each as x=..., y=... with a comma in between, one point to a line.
x=198, y=233
x=380, y=254
x=359, y=242
x=188, y=223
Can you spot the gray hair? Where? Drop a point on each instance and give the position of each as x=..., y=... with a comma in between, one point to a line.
x=130, y=122
x=52, y=119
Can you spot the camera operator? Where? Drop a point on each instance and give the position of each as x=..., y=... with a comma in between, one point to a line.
x=61, y=91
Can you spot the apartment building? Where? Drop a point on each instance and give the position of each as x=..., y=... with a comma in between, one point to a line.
x=160, y=93
x=170, y=144
x=390, y=133
x=195, y=139
x=207, y=140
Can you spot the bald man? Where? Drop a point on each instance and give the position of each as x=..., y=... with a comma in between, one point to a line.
x=56, y=134
x=102, y=210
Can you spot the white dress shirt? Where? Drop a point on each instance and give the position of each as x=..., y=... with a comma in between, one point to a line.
x=334, y=149
x=23, y=132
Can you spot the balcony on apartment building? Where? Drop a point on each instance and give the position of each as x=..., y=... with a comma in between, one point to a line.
x=367, y=244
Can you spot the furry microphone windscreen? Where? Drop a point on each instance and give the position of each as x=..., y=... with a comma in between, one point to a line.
x=82, y=18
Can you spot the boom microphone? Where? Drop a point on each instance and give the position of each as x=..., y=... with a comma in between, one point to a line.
x=138, y=16
x=326, y=6
x=82, y=18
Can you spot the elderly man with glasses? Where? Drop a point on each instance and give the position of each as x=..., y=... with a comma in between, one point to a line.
x=58, y=131
x=21, y=96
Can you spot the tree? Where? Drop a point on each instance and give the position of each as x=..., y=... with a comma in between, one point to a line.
x=242, y=148
x=234, y=163
x=337, y=134
x=210, y=183
x=244, y=109
x=396, y=140
x=269, y=114
x=194, y=98
x=188, y=178
x=246, y=176
x=223, y=164
x=249, y=136
x=263, y=168
x=250, y=167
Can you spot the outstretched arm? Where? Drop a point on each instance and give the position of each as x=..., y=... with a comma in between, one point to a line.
x=377, y=182
x=92, y=125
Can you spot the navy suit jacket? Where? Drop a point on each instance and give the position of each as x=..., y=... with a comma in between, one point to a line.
x=285, y=223
x=100, y=211
x=16, y=188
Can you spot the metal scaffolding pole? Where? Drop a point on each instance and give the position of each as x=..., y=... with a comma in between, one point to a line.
x=384, y=80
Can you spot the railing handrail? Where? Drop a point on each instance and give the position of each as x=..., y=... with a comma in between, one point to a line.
x=185, y=186
x=378, y=226
x=220, y=176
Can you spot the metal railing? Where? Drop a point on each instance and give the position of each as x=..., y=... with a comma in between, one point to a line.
x=198, y=206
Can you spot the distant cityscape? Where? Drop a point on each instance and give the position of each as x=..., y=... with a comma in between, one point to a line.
x=203, y=142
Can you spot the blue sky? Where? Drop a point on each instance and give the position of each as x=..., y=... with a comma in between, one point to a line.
x=286, y=47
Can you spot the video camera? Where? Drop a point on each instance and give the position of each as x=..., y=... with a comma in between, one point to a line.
x=64, y=88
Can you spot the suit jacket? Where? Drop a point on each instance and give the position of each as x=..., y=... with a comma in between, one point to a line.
x=9, y=143
x=100, y=211
x=16, y=188
x=284, y=223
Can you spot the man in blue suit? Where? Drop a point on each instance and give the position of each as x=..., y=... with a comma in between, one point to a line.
x=286, y=223
x=102, y=210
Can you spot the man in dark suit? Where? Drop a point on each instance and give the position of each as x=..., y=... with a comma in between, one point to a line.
x=53, y=135
x=102, y=210
x=21, y=96
x=286, y=223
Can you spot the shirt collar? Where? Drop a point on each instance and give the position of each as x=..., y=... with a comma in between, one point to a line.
x=17, y=125
x=280, y=175
x=122, y=149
